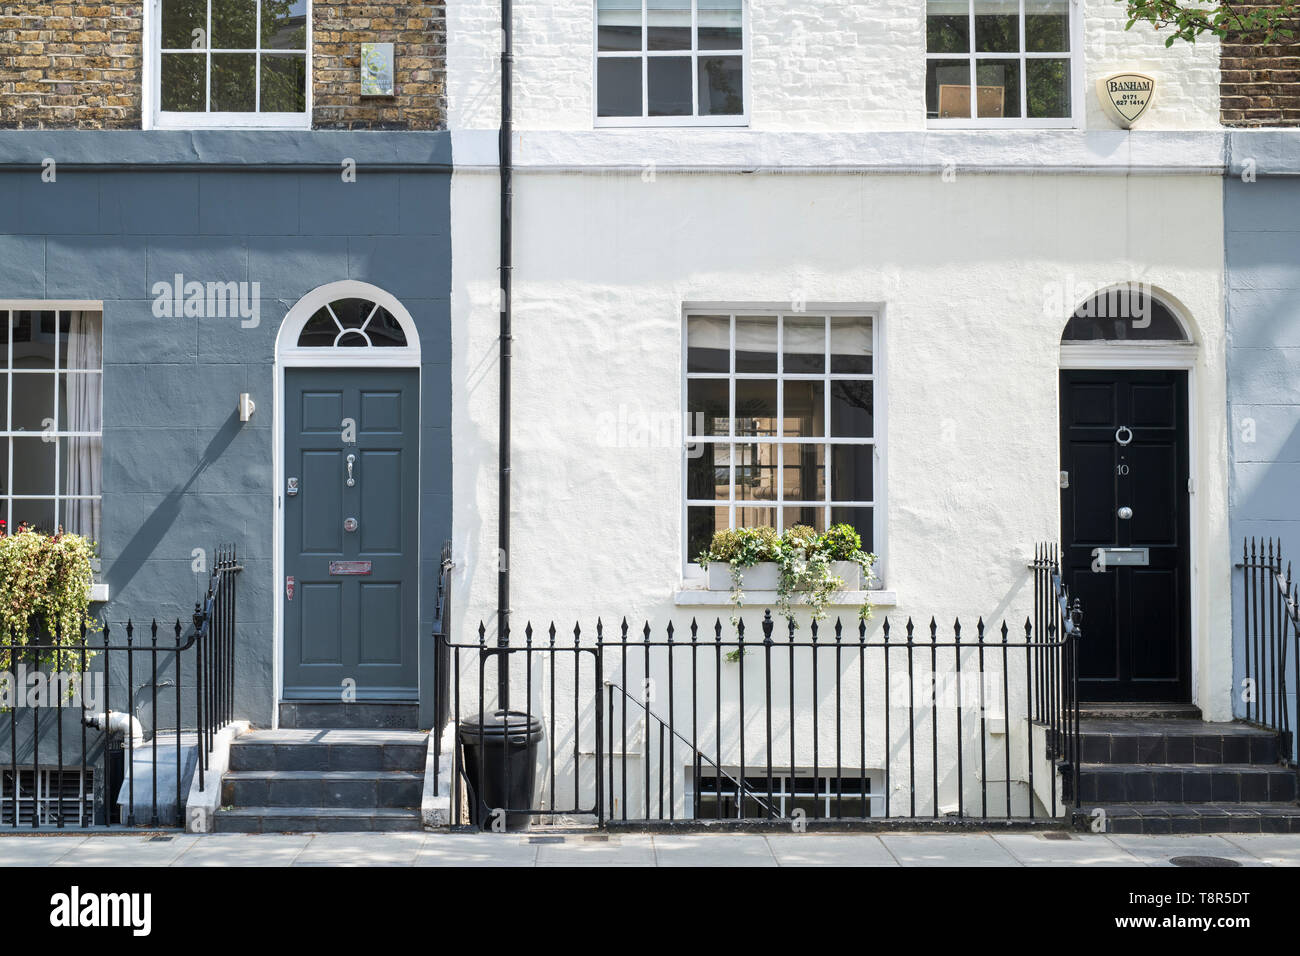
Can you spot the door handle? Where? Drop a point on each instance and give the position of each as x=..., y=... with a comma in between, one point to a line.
x=1125, y=513
x=352, y=460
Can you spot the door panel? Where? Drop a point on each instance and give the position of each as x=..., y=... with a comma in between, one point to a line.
x=352, y=615
x=1137, y=631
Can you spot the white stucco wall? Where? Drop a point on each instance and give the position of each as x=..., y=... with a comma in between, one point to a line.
x=825, y=65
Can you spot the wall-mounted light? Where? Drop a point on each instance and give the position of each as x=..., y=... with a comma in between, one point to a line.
x=246, y=406
x=376, y=69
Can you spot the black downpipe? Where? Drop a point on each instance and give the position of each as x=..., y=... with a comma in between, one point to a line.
x=503, y=429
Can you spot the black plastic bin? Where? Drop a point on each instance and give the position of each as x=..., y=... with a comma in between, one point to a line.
x=504, y=749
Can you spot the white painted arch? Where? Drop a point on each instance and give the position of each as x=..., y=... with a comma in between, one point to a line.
x=289, y=353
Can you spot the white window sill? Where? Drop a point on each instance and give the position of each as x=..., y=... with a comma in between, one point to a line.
x=98, y=593
x=703, y=597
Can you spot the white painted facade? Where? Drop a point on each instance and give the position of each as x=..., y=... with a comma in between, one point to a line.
x=971, y=246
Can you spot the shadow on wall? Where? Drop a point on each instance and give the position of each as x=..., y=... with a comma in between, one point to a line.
x=145, y=541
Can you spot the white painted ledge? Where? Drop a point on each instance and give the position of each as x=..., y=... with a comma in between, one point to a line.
x=98, y=593
x=201, y=805
x=435, y=804
x=703, y=597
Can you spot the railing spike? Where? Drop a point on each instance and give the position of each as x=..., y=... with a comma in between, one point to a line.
x=695, y=631
x=979, y=630
x=669, y=630
x=646, y=631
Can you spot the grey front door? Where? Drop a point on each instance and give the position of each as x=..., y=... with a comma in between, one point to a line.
x=351, y=504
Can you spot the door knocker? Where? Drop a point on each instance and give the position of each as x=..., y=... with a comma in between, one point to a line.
x=1123, y=435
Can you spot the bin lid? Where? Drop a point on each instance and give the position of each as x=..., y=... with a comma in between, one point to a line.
x=499, y=723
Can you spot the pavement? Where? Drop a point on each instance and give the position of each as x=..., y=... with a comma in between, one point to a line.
x=626, y=849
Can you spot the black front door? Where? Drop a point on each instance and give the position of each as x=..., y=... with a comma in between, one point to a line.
x=1124, y=526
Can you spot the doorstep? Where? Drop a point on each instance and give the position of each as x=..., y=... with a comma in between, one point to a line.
x=703, y=597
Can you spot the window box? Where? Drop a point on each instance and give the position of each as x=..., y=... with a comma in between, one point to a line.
x=766, y=576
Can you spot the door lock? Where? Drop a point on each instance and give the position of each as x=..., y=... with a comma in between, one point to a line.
x=352, y=460
x=1125, y=513
x=292, y=488
x=349, y=524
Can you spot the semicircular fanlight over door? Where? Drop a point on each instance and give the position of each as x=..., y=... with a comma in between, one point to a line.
x=352, y=323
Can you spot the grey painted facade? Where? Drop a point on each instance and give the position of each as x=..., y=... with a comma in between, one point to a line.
x=180, y=471
x=1262, y=256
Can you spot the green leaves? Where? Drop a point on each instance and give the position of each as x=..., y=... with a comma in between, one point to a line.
x=1226, y=19
x=44, y=581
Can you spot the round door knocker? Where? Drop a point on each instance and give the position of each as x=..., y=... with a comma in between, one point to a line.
x=1123, y=435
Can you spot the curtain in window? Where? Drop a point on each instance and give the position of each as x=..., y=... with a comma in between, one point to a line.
x=82, y=462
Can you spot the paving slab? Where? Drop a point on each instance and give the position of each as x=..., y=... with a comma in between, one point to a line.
x=18, y=850
x=351, y=849
x=824, y=849
x=1158, y=849
x=127, y=850
x=1035, y=849
x=623, y=850
x=713, y=850
x=244, y=849
x=1276, y=849
x=947, y=849
x=476, y=849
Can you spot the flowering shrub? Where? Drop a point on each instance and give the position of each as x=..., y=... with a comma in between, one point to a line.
x=44, y=583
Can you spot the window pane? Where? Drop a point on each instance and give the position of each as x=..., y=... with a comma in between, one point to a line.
x=233, y=82
x=1049, y=88
x=701, y=523
x=721, y=86
x=756, y=471
x=756, y=343
x=860, y=519
x=947, y=26
x=618, y=25
x=756, y=408
x=997, y=26
x=999, y=87
x=618, y=86
x=813, y=517
x=284, y=24
x=668, y=25
x=34, y=337
x=81, y=341
x=37, y=515
x=284, y=83
x=851, y=410
x=33, y=409
x=669, y=85
x=720, y=24
x=804, y=344
x=708, y=472
x=80, y=402
x=183, y=82
x=234, y=24
x=851, y=345
x=33, y=466
x=319, y=332
x=804, y=472
x=707, y=403
x=384, y=330
x=1123, y=314
x=851, y=472
x=4, y=410
x=708, y=343
x=1047, y=26
x=351, y=340
x=180, y=18
x=947, y=89
x=805, y=409
x=755, y=517
x=82, y=516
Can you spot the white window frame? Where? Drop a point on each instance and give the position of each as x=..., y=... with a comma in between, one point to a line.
x=644, y=55
x=7, y=308
x=782, y=794
x=152, y=114
x=1077, y=87
x=691, y=568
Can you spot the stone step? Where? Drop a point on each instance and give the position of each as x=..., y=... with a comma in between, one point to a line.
x=1185, y=782
x=360, y=789
x=314, y=820
x=1193, y=817
x=329, y=750
x=1139, y=711
x=1175, y=741
x=360, y=715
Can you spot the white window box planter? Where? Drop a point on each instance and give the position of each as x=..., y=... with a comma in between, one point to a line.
x=767, y=576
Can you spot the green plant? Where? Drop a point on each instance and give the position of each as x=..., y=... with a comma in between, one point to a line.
x=44, y=583
x=1226, y=19
x=803, y=558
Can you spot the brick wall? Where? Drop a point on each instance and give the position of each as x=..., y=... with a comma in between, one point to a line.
x=1261, y=84
x=70, y=63
x=77, y=64
x=416, y=31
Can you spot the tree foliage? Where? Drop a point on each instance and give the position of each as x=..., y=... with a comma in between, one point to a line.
x=1188, y=19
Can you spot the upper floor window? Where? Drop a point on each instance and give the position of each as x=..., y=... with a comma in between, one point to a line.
x=230, y=63
x=670, y=63
x=1015, y=54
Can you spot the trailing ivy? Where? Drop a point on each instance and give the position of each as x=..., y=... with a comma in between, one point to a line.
x=44, y=590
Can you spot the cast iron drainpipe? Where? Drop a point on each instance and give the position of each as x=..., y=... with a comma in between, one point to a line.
x=503, y=428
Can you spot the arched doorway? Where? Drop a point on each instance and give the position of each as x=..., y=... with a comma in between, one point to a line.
x=1127, y=361
x=347, y=486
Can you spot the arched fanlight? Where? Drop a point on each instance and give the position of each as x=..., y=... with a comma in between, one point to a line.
x=352, y=323
x=1125, y=313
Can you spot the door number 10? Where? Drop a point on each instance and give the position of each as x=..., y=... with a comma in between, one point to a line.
x=1121, y=470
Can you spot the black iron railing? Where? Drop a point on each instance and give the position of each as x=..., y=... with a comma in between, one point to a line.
x=442, y=661
x=1268, y=641
x=1056, y=675
x=73, y=710
x=819, y=723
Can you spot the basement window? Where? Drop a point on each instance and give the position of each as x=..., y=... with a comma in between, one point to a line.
x=44, y=795
x=229, y=63
x=851, y=795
